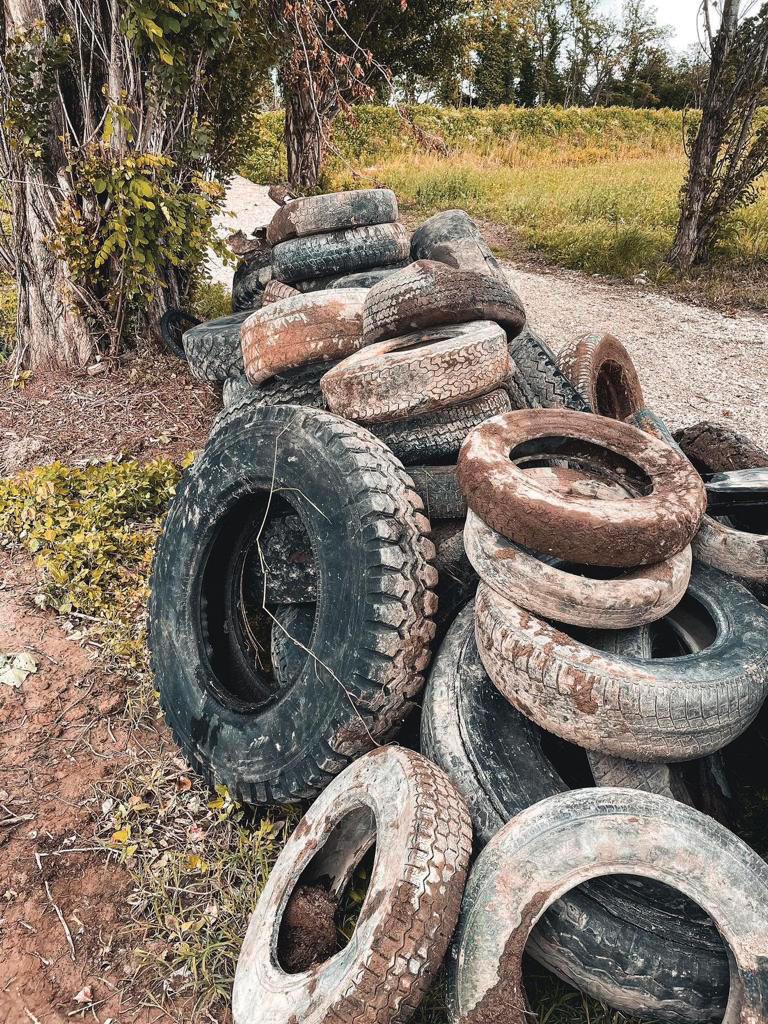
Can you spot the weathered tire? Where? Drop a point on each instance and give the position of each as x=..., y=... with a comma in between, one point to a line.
x=294, y=387
x=276, y=291
x=634, y=946
x=567, y=593
x=173, y=323
x=373, y=558
x=418, y=373
x=456, y=579
x=397, y=799
x=468, y=254
x=438, y=488
x=646, y=419
x=213, y=348
x=538, y=377
x=446, y=226
x=323, y=327
x=428, y=294
x=574, y=837
x=358, y=279
x=250, y=277
x=629, y=531
x=332, y=211
x=601, y=369
x=339, y=252
x=671, y=709
x=732, y=545
x=439, y=435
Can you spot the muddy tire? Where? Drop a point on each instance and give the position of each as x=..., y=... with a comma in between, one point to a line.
x=567, y=593
x=333, y=211
x=739, y=544
x=438, y=488
x=539, y=379
x=251, y=276
x=626, y=532
x=276, y=291
x=671, y=709
x=423, y=837
x=366, y=278
x=339, y=252
x=428, y=294
x=173, y=323
x=418, y=373
x=632, y=947
x=575, y=837
x=213, y=348
x=446, y=226
x=374, y=563
x=468, y=254
x=439, y=435
x=302, y=329
x=600, y=367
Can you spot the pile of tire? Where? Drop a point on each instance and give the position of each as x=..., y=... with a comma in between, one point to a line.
x=404, y=469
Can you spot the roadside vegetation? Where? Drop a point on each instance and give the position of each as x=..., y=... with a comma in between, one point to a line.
x=592, y=189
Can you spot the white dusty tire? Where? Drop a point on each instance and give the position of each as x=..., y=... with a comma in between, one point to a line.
x=568, y=593
x=571, y=838
x=600, y=368
x=421, y=827
x=669, y=709
x=322, y=327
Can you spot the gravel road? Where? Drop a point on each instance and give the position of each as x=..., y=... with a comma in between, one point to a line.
x=694, y=363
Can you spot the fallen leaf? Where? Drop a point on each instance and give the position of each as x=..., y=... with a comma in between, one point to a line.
x=15, y=668
x=85, y=995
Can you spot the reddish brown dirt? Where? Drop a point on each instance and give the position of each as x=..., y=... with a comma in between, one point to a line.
x=61, y=734
x=308, y=929
x=140, y=406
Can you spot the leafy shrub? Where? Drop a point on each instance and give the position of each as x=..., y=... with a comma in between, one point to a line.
x=7, y=316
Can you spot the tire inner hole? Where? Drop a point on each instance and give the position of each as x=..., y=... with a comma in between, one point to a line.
x=328, y=898
x=593, y=459
x=613, y=391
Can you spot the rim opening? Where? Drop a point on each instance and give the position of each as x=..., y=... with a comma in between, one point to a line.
x=593, y=459
x=613, y=391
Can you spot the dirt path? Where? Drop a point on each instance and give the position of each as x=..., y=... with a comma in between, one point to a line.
x=695, y=363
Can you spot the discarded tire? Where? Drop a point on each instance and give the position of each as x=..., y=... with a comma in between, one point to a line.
x=173, y=323
x=638, y=948
x=428, y=294
x=213, y=348
x=334, y=211
x=250, y=278
x=293, y=387
x=439, y=490
x=672, y=709
x=439, y=435
x=600, y=368
x=276, y=291
x=302, y=329
x=631, y=531
x=398, y=800
x=374, y=562
x=468, y=254
x=418, y=373
x=538, y=377
x=574, y=837
x=339, y=252
x=568, y=593
x=446, y=226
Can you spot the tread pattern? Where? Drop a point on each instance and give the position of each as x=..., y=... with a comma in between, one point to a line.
x=439, y=490
x=332, y=211
x=439, y=435
x=213, y=348
x=539, y=378
x=393, y=649
x=276, y=291
x=339, y=252
x=414, y=375
x=427, y=294
x=293, y=387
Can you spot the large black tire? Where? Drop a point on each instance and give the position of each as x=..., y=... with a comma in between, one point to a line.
x=573, y=838
x=292, y=387
x=439, y=490
x=446, y=226
x=213, y=348
x=173, y=323
x=373, y=620
x=439, y=435
x=639, y=948
x=251, y=275
x=339, y=252
x=539, y=378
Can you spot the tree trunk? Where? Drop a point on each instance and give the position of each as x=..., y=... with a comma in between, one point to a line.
x=304, y=140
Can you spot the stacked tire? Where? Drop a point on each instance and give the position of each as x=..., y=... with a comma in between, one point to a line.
x=403, y=466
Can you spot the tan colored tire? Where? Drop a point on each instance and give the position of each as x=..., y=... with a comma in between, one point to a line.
x=634, y=531
x=276, y=291
x=333, y=211
x=418, y=373
x=600, y=368
x=563, y=594
x=427, y=293
x=321, y=327
x=409, y=808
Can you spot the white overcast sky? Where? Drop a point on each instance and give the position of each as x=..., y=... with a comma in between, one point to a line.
x=679, y=14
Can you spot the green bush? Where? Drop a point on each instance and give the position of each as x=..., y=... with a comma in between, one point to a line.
x=7, y=316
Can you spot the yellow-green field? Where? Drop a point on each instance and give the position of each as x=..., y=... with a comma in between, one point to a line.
x=593, y=190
